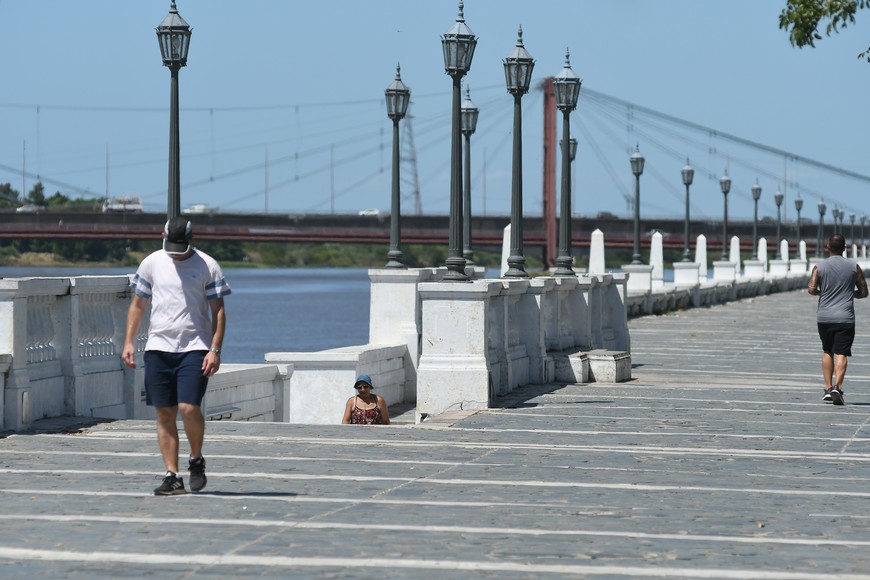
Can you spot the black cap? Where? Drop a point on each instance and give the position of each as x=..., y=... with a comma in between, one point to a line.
x=177, y=235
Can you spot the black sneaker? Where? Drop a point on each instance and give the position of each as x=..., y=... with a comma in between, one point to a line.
x=172, y=485
x=196, y=467
x=827, y=396
x=837, y=397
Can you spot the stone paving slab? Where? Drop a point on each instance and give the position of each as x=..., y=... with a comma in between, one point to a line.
x=718, y=460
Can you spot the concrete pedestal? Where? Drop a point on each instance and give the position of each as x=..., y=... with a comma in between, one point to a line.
x=797, y=266
x=686, y=273
x=753, y=269
x=640, y=277
x=779, y=268
x=724, y=271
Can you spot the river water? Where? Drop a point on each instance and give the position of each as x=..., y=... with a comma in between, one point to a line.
x=278, y=309
x=275, y=309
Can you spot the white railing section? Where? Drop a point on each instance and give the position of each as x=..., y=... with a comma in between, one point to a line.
x=40, y=329
x=439, y=346
x=60, y=346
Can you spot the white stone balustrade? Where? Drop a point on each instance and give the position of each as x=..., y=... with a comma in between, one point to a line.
x=60, y=345
x=488, y=337
x=444, y=345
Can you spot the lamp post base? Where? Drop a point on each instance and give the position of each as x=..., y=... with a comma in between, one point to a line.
x=394, y=260
x=455, y=270
x=516, y=267
x=686, y=255
x=564, y=266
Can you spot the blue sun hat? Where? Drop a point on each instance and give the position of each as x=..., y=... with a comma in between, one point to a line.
x=365, y=379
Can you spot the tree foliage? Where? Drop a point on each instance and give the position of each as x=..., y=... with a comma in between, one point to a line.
x=8, y=196
x=803, y=19
x=37, y=194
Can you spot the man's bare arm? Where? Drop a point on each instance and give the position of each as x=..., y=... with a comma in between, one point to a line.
x=212, y=361
x=813, y=286
x=135, y=314
x=861, y=283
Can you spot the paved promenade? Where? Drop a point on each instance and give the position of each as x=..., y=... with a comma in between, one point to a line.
x=718, y=460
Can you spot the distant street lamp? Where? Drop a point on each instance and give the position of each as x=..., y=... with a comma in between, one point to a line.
x=778, y=197
x=637, y=162
x=688, y=175
x=566, y=86
x=174, y=37
x=756, y=195
x=820, y=242
x=458, y=44
x=852, y=229
x=798, y=205
x=863, y=221
x=469, y=126
x=398, y=95
x=725, y=186
x=518, y=75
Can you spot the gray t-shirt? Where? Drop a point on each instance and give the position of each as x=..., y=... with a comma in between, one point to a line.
x=837, y=276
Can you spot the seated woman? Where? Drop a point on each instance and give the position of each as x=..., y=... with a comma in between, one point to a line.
x=365, y=408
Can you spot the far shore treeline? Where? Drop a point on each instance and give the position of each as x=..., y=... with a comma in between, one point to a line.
x=27, y=252
x=63, y=252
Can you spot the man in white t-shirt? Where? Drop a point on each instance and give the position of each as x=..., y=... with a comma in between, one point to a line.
x=186, y=288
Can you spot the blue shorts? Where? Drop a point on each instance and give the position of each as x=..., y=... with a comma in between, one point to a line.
x=174, y=377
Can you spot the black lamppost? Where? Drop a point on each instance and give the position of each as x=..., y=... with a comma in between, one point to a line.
x=458, y=44
x=637, y=162
x=688, y=175
x=756, y=195
x=852, y=229
x=572, y=154
x=398, y=95
x=863, y=221
x=174, y=37
x=798, y=205
x=820, y=242
x=725, y=186
x=778, y=197
x=518, y=75
x=469, y=126
x=835, y=213
x=566, y=86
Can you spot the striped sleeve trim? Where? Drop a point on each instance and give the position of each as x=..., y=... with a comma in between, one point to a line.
x=141, y=286
x=217, y=289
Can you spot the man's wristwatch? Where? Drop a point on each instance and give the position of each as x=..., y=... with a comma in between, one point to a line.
x=217, y=351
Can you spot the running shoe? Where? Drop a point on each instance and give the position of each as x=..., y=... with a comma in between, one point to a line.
x=172, y=485
x=837, y=396
x=827, y=396
x=197, y=474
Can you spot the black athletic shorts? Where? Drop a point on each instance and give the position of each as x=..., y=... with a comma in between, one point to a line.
x=837, y=337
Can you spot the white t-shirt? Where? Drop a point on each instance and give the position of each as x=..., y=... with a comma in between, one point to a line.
x=180, y=292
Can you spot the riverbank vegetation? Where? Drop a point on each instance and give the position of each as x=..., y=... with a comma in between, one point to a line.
x=64, y=252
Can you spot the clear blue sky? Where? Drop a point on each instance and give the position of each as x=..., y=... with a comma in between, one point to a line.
x=305, y=80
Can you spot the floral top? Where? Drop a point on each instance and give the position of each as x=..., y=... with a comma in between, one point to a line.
x=365, y=416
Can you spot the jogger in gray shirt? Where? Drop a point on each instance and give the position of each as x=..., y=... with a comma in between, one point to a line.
x=837, y=282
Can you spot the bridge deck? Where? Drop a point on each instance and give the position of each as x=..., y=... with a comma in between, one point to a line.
x=718, y=461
